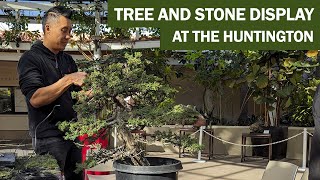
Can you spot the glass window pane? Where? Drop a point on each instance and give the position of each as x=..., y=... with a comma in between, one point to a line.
x=5, y=100
x=19, y=101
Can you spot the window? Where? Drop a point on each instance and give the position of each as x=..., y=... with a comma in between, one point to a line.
x=6, y=96
x=12, y=101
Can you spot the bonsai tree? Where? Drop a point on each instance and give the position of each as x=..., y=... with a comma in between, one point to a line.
x=122, y=91
x=126, y=91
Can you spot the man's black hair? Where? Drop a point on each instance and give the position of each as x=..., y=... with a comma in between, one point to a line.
x=56, y=11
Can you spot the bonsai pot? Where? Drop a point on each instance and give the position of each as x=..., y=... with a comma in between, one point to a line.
x=159, y=169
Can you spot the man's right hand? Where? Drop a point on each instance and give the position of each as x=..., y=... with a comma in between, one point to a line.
x=77, y=78
x=46, y=95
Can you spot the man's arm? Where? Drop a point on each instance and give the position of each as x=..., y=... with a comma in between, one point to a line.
x=46, y=95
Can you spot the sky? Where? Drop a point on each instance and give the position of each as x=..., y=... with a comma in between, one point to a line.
x=31, y=27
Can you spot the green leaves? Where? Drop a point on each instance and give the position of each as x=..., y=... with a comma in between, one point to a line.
x=188, y=142
x=250, y=77
x=124, y=90
x=255, y=69
x=296, y=78
x=285, y=91
x=191, y=55
x=262, y=81
x=217, y=68
x=288, y=62
x=165, y=113
x=273, y=76
x=288, y=103
x=125, y=93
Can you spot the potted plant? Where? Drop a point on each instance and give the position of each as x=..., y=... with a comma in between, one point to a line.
x=123, y=90
x=258, y=127
x=18, y=29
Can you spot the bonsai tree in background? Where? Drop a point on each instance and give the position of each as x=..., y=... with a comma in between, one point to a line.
x=123, y=92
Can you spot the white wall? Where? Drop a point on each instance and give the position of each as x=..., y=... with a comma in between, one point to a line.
x=234, y=134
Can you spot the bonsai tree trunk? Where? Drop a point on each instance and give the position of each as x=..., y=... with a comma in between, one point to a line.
x=133, y=148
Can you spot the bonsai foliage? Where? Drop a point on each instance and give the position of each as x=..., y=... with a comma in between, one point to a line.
x=121, y=91
x=44, y=166
x=257, y=126
x=188, y=142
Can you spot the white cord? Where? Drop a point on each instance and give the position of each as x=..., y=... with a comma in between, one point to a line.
x=310, y=134
x=35, y=131
x=247, y=145
x=194, y=132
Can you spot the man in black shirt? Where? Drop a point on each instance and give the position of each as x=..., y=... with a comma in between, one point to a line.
x=47, y=76
x=314, y=165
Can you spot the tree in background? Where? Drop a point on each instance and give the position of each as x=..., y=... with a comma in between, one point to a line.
x=277, y=79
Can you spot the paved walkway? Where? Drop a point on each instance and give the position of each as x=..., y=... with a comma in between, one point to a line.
x=218, y=168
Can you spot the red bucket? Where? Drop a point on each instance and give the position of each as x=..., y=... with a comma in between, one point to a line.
x=103, y=141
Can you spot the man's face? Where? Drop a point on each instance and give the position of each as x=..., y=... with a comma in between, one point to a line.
x=58, y=33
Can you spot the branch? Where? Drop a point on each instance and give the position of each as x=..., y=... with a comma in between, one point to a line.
x=112, y=122
x=114, y=119
x=117, y=101
x=245, y=100
x=84, y=54
x=122, y=103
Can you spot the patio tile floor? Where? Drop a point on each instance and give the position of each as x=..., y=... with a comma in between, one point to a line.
x=219, y=168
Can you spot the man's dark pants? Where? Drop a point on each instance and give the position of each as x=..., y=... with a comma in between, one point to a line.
x=65, y=152
x=314, y=166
